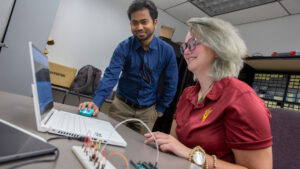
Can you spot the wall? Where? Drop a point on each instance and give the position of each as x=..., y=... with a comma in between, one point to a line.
x=31, y=21
x=5, y=9
x=280, y=35
x=88, y=31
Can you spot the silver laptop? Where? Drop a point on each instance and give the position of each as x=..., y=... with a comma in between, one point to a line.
x=48, y=119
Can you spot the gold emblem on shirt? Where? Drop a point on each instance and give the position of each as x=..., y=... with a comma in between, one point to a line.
x=206, y=113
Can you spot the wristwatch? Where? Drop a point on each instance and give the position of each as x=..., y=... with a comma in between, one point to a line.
x=197, y=156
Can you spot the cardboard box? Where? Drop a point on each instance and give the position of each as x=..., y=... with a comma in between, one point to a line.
x=166, y=32
x=61, y=75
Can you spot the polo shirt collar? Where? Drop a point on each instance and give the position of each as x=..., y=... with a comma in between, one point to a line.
x=218, y=88
x=214, y=94
x=153, y=44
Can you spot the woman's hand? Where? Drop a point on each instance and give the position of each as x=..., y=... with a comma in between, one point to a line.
x=168, y=143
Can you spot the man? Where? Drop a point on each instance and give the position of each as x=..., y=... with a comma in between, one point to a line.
x=142, y=58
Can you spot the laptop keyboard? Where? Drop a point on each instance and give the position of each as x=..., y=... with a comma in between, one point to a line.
x=69, y=124
x=74, y=125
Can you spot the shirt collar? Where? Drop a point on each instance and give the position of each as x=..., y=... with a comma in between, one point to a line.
x=217, y=89
x=213, y=94
x=152, y=46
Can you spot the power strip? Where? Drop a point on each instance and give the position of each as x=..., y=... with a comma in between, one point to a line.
x=85, y=161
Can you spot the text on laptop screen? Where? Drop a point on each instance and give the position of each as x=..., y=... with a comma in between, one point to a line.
x=43, y=83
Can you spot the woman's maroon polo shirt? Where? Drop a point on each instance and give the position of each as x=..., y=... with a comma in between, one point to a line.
x=231, y=116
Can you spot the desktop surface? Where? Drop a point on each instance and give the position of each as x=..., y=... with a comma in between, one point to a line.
x=18, y=110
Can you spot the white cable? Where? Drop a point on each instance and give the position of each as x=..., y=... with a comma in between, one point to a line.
x=133, y=119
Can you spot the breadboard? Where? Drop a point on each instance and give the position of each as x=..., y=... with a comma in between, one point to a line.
x=85, y=161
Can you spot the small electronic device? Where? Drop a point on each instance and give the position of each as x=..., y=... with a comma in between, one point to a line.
x=142, y=165
x=86, y=112
x=17, y=143
x=91, y=163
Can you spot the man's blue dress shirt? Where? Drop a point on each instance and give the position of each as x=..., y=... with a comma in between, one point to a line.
x=128, y=57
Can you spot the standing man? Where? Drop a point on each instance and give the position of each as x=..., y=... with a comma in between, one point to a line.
x=142, y=58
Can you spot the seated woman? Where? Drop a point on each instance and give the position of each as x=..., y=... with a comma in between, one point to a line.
x=220, y=122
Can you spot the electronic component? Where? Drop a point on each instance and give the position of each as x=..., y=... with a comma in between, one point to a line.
x=142, y=165
x=277, y=91
x=292, y=98
x=92, y=156
x=272, y=104
x=270, y=86
x=292, y=106
x=88, y=161
x=293, y=92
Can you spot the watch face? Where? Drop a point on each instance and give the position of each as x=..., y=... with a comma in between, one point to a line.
x=199, y=158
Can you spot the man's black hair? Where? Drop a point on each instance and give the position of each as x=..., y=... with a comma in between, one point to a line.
x=143, y=4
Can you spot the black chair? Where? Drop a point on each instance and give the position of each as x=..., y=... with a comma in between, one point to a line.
x=285, y=127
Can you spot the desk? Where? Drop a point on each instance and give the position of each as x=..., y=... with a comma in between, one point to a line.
x=19, y=110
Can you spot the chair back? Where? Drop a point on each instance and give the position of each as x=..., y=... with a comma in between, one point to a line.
x=285, y=128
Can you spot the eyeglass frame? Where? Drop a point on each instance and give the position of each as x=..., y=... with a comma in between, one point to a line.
x=191, y=44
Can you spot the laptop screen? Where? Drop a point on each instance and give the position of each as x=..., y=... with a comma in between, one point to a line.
x=43, y=83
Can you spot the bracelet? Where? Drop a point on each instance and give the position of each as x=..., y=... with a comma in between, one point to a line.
x=215, y=161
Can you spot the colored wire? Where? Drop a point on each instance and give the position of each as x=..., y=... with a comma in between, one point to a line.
x=99, y=145
x=102, y=155
x=120, y=154
x=133, y=119
x=97, y=149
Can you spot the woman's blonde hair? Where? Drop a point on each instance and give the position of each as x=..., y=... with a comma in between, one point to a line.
x=224, y=39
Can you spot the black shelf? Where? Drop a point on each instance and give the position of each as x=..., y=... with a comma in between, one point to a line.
x=276, y=65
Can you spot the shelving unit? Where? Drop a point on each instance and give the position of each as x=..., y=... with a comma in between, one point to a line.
x=278, y=64
x=277, y=80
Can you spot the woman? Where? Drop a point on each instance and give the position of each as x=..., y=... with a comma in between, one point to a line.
x=220, y=122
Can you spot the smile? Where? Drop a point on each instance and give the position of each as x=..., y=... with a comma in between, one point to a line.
x=191, y=58
x=141, y=33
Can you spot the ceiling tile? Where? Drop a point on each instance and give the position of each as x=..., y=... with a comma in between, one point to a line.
x=293, y=6
x=219, y=7
x=164, y=4
x=185, y=11
x=259, y=13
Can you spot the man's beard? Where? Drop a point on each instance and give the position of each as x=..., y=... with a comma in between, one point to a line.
x=145, y=38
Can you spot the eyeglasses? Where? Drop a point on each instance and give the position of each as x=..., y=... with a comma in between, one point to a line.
x=191, y=44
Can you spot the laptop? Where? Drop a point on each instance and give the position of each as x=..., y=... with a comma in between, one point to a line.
x=49, y=119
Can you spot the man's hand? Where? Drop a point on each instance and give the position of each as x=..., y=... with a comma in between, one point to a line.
x=89, y=105
x=168, y=143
